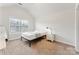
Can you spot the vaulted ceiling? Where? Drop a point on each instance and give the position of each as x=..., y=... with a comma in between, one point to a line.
x=43, y=9
x=46, y=9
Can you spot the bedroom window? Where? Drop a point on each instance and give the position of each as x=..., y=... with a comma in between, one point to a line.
x=18, y=25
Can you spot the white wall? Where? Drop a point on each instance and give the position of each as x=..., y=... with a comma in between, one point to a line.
x=62, y=21
x=15, y=11
x=63, y=25
x=0, y=16
x=77, y=28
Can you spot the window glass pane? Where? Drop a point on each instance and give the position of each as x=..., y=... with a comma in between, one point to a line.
x=24, y=25
x=18, y=25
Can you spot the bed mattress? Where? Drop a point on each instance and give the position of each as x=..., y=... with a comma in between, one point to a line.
x=33, y=35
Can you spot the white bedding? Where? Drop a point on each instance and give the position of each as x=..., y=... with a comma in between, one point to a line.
x=33, y=35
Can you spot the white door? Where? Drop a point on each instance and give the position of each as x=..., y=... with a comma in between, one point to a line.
x=2, y=42
x=3, y=36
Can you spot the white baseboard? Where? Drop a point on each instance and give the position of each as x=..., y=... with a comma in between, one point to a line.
x=65, y=42
x=77, y=49
x=14, y=38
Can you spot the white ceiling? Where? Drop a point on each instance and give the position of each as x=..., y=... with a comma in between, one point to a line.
x=54, y=6
x=46, y=9
x=43, y=9
x=6, y=4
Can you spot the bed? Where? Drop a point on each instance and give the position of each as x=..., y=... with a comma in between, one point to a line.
x=30, y=36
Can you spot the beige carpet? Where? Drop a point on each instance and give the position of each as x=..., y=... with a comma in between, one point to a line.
x=39, y=47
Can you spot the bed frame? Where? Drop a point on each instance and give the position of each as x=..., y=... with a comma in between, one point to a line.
x=30, y=41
